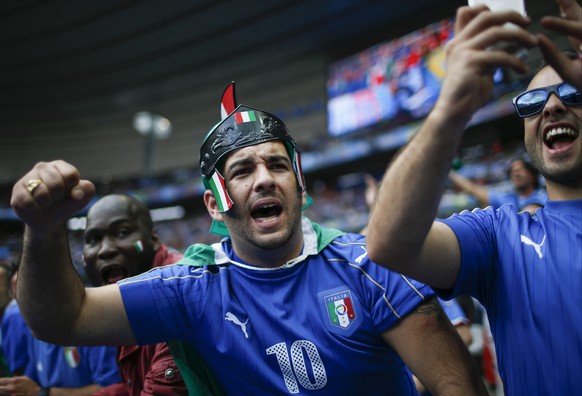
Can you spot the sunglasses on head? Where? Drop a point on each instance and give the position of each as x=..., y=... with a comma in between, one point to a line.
x=532, y=102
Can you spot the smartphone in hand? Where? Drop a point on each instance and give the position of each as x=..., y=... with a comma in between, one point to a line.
x=504, y=5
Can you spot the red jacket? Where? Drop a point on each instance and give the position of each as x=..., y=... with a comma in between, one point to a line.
x=148, y=369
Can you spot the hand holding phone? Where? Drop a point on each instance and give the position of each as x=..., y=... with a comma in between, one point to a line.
x=505, y=5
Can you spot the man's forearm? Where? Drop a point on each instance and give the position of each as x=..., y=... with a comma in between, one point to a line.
x=50, y=291
x=410, y=193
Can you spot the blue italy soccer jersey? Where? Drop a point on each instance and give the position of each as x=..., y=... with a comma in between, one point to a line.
x=15, y=335
x=51, y=365
x=312, y=326
x=527, y=272
x=72, y=367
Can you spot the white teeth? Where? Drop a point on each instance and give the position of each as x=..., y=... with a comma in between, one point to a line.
x=560, y=131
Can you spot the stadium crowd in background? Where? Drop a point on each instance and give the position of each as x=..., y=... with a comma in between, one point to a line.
x=527, y=192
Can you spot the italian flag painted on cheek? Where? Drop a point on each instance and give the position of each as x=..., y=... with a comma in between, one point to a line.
x=219, y=191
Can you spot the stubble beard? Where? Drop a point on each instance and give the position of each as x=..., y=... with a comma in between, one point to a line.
x=562, y=171
x=292, y=225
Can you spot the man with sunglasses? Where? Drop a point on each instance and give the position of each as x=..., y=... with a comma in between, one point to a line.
x=526, y=270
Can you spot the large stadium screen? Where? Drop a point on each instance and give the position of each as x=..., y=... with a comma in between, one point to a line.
x=396, y=81
x=391, y=83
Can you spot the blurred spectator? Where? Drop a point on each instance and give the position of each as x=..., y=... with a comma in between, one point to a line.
x=15, y=334
x=527, y=195
x=44, y=369
x=6, y=272
x=120, y=241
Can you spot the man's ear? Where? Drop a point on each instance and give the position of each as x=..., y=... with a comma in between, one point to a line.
x=156, y=241
x=212, y=206
x=303, y=198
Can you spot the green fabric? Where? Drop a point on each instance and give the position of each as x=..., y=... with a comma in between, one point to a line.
x=198, y=377
x=315, y=239
x=219, y=228
x=324, y=235
x=4, y=370
x=200, y=254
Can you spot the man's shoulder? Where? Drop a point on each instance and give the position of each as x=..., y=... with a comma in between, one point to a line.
x=349, y=240
x=537, y=197
x=499, y=219
x=12, y=314
x=12, y=308
x=348, y=246
x=200, y=254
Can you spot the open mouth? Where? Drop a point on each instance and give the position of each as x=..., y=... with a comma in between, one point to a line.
x=557, y=138
x=113, y=273
x=266, y=211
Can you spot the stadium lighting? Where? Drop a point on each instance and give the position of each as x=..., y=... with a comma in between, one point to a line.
x=153, y=127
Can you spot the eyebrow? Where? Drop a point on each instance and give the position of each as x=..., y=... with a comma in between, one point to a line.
x=273, y=158
x=113, y=224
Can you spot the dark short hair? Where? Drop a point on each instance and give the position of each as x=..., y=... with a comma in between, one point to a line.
x=135, y=207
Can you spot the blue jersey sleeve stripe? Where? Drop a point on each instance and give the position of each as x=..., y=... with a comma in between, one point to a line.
x=139, y=312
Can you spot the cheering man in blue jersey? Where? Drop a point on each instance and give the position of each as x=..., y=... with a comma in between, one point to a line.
x=279, y=306
x=525, y=269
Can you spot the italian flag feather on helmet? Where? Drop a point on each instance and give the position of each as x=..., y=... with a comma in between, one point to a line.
x=228, y=101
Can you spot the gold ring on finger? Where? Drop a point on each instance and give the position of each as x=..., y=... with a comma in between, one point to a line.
x=32, y=185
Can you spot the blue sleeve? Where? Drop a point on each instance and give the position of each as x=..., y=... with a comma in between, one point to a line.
x=31, y=367
x=390, y=295
x=103, y=364
x=402, y=295
x=155, y=303
x=498, y=199
x=538, y=197
x=140, y=306
x=15, y=334
x=475, y=232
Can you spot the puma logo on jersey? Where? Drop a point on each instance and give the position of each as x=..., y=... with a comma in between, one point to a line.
x=230, y=317
x=536, y=246
x=362, y=256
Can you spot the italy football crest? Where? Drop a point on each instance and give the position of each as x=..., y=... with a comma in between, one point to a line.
x=341, y=310
x=72, y=356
